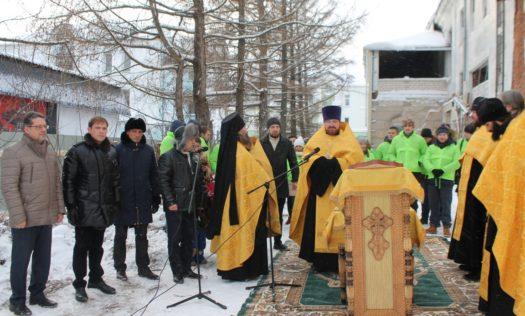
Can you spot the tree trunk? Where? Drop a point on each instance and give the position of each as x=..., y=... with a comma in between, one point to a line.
x=293, y=110
x=300, y=103
x=179, y=91
x=241, y=52
x=202, y=111
x=284, y=79
x=263, y=70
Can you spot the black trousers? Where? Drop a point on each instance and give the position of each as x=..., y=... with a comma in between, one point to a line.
x=181, y=234
x=141, y=247
x=30, y=243
x=289, y=202
x=280, y=201
x=440, y=198
x=425, y=212
x=88, y=244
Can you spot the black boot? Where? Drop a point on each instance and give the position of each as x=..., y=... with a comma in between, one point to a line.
x=102, y=286
x=178, y=278
x=464, y=267
x=148, y=274
x=19, y=309
x=192, y=275
x=280, y=246
x=42, y=301
x=121, y=275
x=472, y=276
x=81, y=295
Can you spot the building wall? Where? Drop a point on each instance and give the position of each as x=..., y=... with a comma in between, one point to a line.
x=518, y=80
x=74, y=122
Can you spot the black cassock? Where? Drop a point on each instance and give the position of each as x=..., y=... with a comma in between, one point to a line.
x=469, y=249
x=322, y=172
x=499, y=303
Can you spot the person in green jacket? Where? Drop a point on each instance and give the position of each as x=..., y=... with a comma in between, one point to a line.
x=441, y=160
x=382, y=151
x=214, y=156
x=366, y=148
x=462, y=145
x=169, y=141
x=298, y=145
x=408, y=148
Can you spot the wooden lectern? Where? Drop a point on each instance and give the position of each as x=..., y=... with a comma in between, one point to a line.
x=376, y=261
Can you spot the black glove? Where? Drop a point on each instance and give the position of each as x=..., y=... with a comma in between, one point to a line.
x=154, y=208
x=437, y=173
x=72, y=216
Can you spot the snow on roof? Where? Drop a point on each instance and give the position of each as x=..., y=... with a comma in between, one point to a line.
x=429, y=40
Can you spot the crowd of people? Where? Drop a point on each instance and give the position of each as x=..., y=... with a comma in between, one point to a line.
x=104, y=184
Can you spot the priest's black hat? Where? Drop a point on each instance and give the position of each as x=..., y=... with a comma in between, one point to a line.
x=492, y=109
x=331, y=112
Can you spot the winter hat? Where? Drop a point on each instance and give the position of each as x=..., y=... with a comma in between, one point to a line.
x=491, y=109
x=135, y=123
x=190, y=131
x=176, y=124
x=426, y=133
x=442, y=130
x=331, y=112
x=476, y=103
x=273, y=121
x=299, y=142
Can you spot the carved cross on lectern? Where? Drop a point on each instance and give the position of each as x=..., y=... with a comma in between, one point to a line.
x=377, y=223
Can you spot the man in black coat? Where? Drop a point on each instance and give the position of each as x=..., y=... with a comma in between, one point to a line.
x=91, y=196
x=280, y=150
x=177, y=169
x=139, y=197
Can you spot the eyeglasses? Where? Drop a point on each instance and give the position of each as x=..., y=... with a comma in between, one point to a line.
x=39, y=126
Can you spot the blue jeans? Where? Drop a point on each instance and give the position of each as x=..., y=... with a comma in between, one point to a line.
x=440, y=199
x=31, y=242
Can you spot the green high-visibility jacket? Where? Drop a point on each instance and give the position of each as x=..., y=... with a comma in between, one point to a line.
x=382, y=152
x=408, y=150
x=462, y=145
x=213, y=157
x=369, y=155
x=167, y=143
x=446, y=159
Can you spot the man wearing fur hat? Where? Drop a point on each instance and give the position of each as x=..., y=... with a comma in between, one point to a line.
x=139, y=197
x=339, y=149
x=177, y=169
x=280, y=151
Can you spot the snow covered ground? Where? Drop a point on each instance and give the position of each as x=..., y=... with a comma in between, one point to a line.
x=135, y=293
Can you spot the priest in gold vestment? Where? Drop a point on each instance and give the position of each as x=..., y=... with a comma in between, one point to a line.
x=239, y=223
x=338, y=150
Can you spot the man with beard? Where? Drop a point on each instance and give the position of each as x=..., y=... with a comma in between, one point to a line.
x=280, y=151
x=339, y=149
x=382, y=151
x=238, y=223
x=500, y=189
x=466, y=245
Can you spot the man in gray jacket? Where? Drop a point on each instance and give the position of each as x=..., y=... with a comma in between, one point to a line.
x=33, y=194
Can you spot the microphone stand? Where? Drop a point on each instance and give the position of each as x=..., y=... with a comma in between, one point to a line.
x=272, y=284
x=200, y=294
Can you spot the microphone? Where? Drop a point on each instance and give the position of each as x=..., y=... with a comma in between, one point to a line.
x=315, y=151
x=201, y=150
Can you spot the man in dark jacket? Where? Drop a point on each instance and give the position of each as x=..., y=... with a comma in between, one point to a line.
x=91, y=194
x=177, y=169
x=139, y=197
x=279, y=150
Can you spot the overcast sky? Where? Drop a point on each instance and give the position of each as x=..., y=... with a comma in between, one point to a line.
x=386, y=20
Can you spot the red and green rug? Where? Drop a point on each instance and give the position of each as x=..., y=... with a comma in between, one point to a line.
x=440, y=288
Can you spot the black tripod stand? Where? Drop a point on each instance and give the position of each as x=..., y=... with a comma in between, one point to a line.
x=200, y=294
x=272, y=284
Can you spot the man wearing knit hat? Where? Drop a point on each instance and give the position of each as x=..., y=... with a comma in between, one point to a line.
x=280, y=151
x=140, y=197
x=338, y=150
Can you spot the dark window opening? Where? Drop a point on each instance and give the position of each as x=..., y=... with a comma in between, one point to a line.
x=13, y=109
x=413, y=64
x=480, y=75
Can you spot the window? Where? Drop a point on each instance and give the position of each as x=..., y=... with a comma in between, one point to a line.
x=347, y=99
x=109, y=61
x=480, y=75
